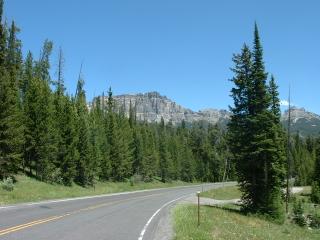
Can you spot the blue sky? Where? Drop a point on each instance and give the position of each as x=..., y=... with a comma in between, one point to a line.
x=180, y=48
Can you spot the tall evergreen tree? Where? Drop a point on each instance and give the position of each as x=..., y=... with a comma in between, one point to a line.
x=65, y=129
x=315, y=194
x=98, y=139
x=3, y=37
x=42, y=66
x=11, y=132
x=150, y=155
x=69, y=142
x=163, y=153
x=118, y=166
x=27, y=75
x=137, y=146
x=84, y=165
x=255, y=133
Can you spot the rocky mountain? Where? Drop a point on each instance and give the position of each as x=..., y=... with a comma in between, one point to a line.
x=302, y=121
x=152, y=106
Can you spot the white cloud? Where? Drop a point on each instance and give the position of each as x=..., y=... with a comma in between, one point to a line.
x=284, y=103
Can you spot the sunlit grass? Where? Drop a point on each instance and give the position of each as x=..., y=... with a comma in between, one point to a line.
x=224, y=193
x=217, y=223
x=27, y=189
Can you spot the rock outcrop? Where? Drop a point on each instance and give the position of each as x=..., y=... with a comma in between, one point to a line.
x=152, y=106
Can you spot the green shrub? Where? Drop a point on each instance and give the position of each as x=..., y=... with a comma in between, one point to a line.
x=276, y=208
x=298, y=214
x=314, y=220
x=7, y=184
x=147, y=179
x=136, y=178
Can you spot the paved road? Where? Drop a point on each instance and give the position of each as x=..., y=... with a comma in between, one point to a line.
x=124, y=216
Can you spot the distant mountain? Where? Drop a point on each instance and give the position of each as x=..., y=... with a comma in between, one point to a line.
x=152, y=106
x=302, y=121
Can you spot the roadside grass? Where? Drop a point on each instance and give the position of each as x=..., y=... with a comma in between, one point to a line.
x=218, y=223
x=224, y=193
x=28, y=189
x=227, y=222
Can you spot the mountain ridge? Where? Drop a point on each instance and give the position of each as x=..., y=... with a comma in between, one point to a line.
x=152, y=106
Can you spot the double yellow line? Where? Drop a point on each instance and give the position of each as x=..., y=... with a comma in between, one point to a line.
x=45, y=220
x=30, y=224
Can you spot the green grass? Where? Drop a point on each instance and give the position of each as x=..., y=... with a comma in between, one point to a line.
x=217, y=223
x=227, y=222
x=27, y=189
x=224, y=193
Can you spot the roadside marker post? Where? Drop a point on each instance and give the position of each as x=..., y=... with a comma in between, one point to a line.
x=198, y=194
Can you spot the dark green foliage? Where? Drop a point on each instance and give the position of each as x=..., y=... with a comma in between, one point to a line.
x=40, y=135
x=137, y=146
x=150, y=156
x=163, y=153
x=11, y=130
x=68, y=142
x=3, y=38
x=43, y=65
x=119, y=142
x=315, y=195
x=27, y=75
x=255, y=135
x=40, y=150
x=85, y=166
x=314, y=220
x=98, y=139
x=303, y=160
x=117, y=168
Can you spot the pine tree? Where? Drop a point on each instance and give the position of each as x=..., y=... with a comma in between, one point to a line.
x=28, y=74
x=43, y=65
x=70, y=140
x=255, y=133
x=3, y=38
x=125, y=143
x=150, y=156
x=11, y=132
x=315, y=194
x=118, y=166
x=163, y=153
x=185, y=156
x=64, y=124
x=276, y=155
x=40, y=132
x=97, y=139
x=137, y=146
x=84, y=168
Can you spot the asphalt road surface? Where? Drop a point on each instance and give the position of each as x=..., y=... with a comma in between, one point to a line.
x=121, y=216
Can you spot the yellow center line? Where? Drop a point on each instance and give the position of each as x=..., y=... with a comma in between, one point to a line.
x=52, y=218
x=20, y=227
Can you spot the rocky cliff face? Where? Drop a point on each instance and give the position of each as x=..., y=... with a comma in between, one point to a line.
x=152, y=106
x=302, y=121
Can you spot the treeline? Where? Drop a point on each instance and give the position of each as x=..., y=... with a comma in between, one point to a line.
x=49, y=134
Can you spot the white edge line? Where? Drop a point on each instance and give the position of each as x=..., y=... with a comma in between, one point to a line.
x=97, y=196
x=155, y=214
